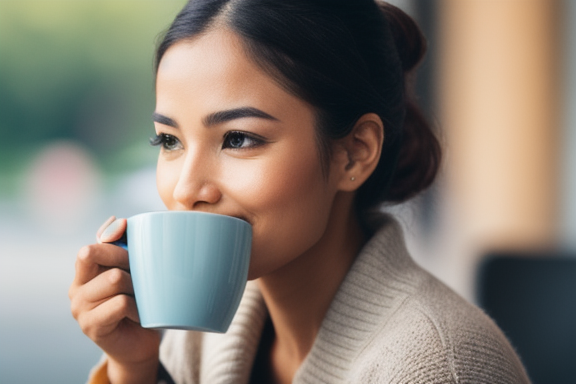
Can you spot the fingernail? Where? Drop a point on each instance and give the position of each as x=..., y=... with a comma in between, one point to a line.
x=109, y=233
x=109, y=221
x=103, y=227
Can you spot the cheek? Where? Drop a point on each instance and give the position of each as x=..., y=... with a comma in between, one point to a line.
x=290, y=203
x=285, y=180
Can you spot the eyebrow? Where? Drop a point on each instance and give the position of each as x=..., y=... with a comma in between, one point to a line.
x=233, y=114
x=219, y=117
x=164, y=120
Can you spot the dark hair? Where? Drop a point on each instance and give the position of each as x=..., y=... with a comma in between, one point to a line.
x=346, y=58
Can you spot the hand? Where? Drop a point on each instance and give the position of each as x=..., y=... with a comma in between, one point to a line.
x=102, y=301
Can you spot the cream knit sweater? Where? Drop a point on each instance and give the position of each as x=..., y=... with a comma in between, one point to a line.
x=390, y=322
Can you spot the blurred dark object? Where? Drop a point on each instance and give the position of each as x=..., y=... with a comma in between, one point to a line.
x=532, y=297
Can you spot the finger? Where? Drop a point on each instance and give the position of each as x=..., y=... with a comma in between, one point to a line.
x=103, y=227
x=110, y=283
x=97, y=258
x=106, y=285
x=114, y=231
x=104, y=319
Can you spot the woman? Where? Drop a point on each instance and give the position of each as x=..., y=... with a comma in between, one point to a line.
x=296, y=117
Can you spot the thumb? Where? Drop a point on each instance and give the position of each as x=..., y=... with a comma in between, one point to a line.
x=114, y=231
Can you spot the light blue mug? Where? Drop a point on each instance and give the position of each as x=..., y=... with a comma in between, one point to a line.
x=189, y=269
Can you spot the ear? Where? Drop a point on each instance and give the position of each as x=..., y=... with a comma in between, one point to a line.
x=359, y=152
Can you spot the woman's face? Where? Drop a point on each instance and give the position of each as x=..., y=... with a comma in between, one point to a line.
x=234, y=142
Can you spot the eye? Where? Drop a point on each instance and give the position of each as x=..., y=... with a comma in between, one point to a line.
x=168, y=142
x=241, y=140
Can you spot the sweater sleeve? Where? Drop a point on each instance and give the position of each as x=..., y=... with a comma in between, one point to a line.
x=99, y=374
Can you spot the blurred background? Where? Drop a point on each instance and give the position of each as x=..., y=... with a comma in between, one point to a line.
x=76, y=96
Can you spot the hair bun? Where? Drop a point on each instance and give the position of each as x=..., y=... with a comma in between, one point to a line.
x=420, y=153
x=419, y=158
x=408, y=39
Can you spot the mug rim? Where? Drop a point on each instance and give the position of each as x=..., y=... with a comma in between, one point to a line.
x=175, y=213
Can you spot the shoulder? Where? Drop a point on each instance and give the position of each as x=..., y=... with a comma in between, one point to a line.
x=424, y=331
x=393, y=322
x=436, y=336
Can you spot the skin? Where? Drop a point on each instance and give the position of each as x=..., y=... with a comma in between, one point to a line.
x=260, y=164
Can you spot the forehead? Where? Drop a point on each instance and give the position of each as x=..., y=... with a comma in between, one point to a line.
x=213, y=68
x=215, y=51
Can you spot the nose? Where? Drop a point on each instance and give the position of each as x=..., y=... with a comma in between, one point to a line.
x=197, y=185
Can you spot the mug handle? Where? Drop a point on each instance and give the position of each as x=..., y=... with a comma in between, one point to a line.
x=121, y=242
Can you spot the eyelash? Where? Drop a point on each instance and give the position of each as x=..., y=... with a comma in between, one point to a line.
x=256, y=140
x=170, y=142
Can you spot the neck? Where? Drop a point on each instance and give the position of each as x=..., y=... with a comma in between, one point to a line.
x=299, y=294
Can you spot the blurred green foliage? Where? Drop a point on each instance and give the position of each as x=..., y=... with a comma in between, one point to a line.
x=79, y=70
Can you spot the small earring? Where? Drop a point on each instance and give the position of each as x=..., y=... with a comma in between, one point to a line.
x=352, y=178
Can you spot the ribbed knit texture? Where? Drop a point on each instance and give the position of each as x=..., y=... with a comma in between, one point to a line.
x=195, y=357
x=390, y=322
